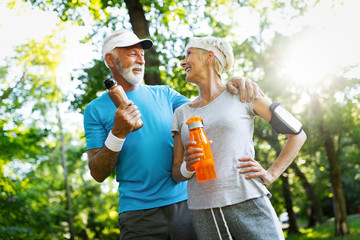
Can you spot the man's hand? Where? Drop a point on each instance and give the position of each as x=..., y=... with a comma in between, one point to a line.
x=125, y=119
x=246, y=86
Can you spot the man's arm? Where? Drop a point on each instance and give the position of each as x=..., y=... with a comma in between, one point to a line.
x=102, y=161
x=246, y=87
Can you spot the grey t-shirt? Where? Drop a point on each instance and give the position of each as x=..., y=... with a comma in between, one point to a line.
x=229, y=123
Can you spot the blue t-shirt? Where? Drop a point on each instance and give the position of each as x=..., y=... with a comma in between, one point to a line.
x=144, y=166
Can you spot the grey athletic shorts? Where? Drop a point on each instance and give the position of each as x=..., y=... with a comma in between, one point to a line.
x=249, y=220
x=172, y=222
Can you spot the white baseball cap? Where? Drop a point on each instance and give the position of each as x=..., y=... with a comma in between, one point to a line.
x=123, y=38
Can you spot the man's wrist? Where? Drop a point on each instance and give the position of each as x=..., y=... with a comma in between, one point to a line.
x=114, y=143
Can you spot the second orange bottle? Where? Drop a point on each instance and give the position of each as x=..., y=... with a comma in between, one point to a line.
x=205, y=168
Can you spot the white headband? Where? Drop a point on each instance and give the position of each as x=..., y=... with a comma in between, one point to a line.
x=198, y=44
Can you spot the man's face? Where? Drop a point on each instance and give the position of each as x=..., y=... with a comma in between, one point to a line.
x=130, y=63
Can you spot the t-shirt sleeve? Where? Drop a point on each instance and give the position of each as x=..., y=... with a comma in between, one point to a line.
x=176, y=122
x=249, y=107
x=95, y=133
x=177, y=99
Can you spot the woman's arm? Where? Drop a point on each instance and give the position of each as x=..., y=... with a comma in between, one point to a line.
x=287, y=155
x=293, y=145
x=178, y=158
x=190, y=156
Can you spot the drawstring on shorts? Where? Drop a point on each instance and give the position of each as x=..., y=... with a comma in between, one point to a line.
x=225, y=224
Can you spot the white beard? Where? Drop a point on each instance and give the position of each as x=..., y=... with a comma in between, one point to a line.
x=127, y=73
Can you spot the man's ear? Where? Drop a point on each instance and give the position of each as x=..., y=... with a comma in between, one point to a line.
x=109, y=59
x=211, y=56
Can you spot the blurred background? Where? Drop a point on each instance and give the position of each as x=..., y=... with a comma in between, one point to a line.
x=304, y=54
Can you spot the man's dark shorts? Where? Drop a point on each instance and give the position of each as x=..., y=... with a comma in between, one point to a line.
x=172, y=222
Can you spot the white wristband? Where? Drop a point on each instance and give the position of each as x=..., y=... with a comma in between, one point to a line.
x=185, y=172
x=114, y=143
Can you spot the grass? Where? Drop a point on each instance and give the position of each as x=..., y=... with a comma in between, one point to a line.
x=327, y=231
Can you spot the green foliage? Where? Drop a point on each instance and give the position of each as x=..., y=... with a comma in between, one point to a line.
x=177, y=81
x=325, y=231
x=68, y=10
x=92, y=82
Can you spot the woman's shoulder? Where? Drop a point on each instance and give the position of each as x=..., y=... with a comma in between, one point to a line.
x=234, y=100
x=182, y=109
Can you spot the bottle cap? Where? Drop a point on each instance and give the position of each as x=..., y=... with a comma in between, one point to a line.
x=109, y=82
x=194, y=122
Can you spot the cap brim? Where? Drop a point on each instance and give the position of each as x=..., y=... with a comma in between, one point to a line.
x=146, y=43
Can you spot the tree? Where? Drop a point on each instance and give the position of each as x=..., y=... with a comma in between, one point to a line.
x=66, y=181
x=36, y=90
x=141, y=28
x=327, y=123
x=315, y=215
x=24, y=142
x=333, y=155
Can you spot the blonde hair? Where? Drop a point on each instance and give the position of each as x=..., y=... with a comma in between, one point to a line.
x=224, y=56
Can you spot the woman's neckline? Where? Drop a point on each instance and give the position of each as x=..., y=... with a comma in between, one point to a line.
x=191, y=104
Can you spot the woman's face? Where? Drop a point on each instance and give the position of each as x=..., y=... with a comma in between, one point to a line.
x=193, y=64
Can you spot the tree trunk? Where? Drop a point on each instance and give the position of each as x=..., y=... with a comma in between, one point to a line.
x=293, y=227
x=67, y=187
x=339, y=204
x=315, y=212
x=141, y=28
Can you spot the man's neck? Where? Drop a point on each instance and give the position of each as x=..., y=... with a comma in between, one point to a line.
x=128, y=86
x=125, y=84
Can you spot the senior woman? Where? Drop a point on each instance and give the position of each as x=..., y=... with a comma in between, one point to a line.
x=236, y=204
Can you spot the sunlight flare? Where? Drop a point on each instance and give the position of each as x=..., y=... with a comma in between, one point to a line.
x=330, y=43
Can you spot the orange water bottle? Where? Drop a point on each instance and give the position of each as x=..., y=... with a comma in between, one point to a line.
x=205, y=168
x=118, y=95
